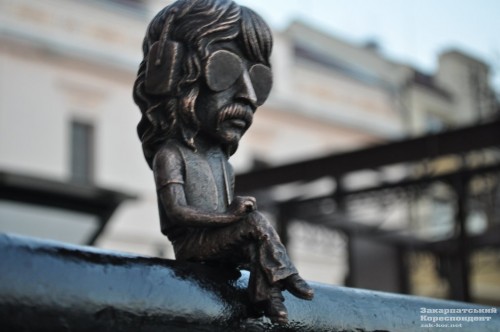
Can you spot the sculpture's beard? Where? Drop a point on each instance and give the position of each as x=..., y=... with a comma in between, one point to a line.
x=233, y=121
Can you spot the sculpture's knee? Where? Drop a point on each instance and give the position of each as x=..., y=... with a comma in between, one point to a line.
x=259, y=226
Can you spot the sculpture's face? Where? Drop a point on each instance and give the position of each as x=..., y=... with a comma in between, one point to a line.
x=233, y=88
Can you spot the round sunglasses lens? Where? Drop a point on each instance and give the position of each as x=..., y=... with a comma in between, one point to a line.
x=262, y=81
x=222, y=70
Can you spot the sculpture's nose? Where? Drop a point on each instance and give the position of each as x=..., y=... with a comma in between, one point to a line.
x=246, y=90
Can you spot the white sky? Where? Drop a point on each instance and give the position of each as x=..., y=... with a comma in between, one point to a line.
x=409, y=31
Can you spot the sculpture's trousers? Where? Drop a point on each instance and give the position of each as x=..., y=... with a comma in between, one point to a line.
x=251, y=243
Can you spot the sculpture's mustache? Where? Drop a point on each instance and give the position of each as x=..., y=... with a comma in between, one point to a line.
x=236, y=111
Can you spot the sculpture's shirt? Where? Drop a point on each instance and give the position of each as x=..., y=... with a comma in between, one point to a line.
x=207, y=181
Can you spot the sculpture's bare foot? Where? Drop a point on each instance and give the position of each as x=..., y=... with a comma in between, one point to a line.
x=298, y=287
x=275, y=309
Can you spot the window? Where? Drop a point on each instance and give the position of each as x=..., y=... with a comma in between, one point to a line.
x=82, y=152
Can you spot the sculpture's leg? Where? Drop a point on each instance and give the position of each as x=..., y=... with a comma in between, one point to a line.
x=262, y=292
x=255, y=239
x=271, y=253
x=226, y=242
x=275, y=261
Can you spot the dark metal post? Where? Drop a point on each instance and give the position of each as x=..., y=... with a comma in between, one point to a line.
x=339, y=198
x=282, y=218
x=462, y=192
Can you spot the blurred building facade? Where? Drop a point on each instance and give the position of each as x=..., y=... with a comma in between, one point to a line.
x=66, y=113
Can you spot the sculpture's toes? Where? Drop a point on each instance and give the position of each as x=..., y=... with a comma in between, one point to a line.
x=275, y=309
x=298, y=287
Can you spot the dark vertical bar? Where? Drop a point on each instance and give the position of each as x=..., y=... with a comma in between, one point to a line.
x=282, y=224
x=350, y=278
x=341, y=207
x=404, y=284
x=104, y=217
x=461, y=189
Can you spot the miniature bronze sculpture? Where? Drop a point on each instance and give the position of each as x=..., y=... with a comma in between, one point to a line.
x=205, y=71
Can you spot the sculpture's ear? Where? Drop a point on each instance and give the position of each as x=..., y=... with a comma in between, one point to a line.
x=163, y=68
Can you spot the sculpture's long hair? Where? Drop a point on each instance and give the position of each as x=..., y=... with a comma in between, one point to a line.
x=196, y=24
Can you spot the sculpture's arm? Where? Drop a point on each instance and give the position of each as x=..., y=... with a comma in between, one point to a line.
x=174, y=202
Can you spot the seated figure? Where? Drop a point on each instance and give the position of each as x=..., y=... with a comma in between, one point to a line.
x=205, y=72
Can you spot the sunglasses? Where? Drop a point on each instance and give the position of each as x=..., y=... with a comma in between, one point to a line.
x=224, y=68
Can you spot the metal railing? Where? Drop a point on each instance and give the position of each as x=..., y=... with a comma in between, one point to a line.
x=50, y=286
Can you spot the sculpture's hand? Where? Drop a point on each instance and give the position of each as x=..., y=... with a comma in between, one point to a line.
x=242, y=205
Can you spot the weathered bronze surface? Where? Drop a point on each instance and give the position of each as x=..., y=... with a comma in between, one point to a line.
x=205, y=72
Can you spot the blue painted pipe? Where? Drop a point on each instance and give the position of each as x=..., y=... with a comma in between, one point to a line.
x=50, y=286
